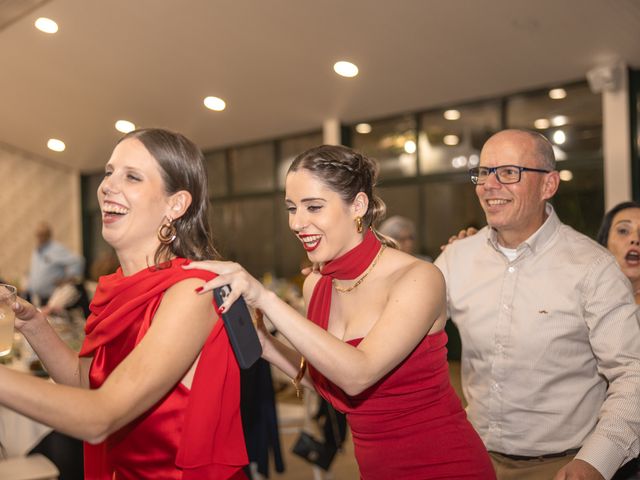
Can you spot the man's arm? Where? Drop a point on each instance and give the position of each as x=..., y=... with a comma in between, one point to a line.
x=614, y=334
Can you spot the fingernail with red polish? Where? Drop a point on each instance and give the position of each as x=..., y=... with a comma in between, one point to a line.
x=221, y=310
x=199, y=289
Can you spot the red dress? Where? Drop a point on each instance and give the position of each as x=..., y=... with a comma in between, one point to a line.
x=411, y=425
x=190, y=433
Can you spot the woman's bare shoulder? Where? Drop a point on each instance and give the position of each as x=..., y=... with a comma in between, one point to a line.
x=309, y=284
x=407, y=270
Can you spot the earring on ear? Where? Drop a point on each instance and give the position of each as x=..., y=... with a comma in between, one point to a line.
x=359, y=227
x=167, y=232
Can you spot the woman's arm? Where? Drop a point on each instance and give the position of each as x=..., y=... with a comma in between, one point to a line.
x=179, y=329
x=415, y=302
x=285, y=358
x=60, y=361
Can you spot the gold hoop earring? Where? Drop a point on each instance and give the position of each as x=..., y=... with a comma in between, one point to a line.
x=359, y=224
x=167, y=232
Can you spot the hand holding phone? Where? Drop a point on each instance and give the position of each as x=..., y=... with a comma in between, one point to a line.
x=240, y=329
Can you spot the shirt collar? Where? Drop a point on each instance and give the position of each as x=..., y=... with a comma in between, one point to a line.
x=539, y=238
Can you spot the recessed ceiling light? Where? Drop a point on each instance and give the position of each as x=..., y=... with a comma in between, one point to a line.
x=410, y=146
x=459, y=161
x=557, y=93
x=46, y=25
x=451, y=140
x=451, y=114
x=559, y=137
x=56, y=145
x=125, y=126
x=559, y=120
x=363, y=128
x=566, y=175
x=542, y=123
x=215, y=103
x=345, y=69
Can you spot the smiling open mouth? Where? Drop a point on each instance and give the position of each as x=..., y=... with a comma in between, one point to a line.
x=310, y=242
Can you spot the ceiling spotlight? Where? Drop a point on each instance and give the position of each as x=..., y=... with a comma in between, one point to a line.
x=559, y=137
x=363, y=128
x=125, y=126
x=542, y=123
x=451, y=140
x=215, y=103
x=559, y=120
x=557, y=93
x=56, y=145
x=451, y=114
x=566, y=175
x=46, y=25
x=410, y=146
x=345, y=69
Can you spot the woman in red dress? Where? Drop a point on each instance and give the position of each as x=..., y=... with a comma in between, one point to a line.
x=375, y=345
x=155, y=390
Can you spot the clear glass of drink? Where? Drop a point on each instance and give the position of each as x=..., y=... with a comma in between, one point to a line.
x=8, y=296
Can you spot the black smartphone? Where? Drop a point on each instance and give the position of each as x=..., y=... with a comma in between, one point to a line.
x=240, y=329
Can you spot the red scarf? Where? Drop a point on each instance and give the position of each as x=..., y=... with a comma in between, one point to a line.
x=212, y=444
x=346, y=267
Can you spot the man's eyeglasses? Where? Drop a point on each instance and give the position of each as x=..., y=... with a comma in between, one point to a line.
x=505, y=174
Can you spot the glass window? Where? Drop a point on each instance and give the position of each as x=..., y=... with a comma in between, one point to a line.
x=391, y=142
x=290, y=148
x=449, y=206
x=579, y=201
x=451, y=139
x=244, y=232
x=252, y=168
x=572, y=121
x=404, y=200
x=215, y=163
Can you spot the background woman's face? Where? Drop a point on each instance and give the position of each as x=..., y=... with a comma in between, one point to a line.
x=624, y=241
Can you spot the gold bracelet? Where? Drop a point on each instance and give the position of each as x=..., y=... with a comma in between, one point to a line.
x=298, y=380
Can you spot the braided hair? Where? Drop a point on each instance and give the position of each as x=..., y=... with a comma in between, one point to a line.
x=347, y=173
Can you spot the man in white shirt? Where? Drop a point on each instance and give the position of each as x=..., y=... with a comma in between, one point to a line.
x=549, y=327
x=52, y=264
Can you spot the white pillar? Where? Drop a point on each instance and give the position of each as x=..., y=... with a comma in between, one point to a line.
x=331, y=134
x=616, y=136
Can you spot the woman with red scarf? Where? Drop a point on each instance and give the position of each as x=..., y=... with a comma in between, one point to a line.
x=375, y=343
x=155, y=390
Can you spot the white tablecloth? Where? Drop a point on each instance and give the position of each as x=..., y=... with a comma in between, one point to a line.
x=19, y=434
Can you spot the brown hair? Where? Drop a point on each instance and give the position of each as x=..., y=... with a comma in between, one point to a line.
x=182, y=168
x=347, y=173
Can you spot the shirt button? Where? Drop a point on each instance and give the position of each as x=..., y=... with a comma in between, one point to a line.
x=505, y=306
x=499, y=348
x=511, y=269
x=495, y=387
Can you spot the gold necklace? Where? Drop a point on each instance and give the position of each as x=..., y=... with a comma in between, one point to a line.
x=364, y=275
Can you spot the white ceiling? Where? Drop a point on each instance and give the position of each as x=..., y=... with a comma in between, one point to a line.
x=153, y=62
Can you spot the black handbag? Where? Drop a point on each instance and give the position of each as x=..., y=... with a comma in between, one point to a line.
x=313, y=451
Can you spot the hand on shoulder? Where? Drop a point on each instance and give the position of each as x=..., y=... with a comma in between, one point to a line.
x=464, y=233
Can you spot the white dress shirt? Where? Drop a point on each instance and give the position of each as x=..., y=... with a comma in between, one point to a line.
x=550, y=345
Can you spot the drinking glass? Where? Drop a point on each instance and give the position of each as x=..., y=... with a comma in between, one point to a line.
x=8, y=295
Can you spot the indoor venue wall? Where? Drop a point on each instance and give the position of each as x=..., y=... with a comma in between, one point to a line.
x=33, y=190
